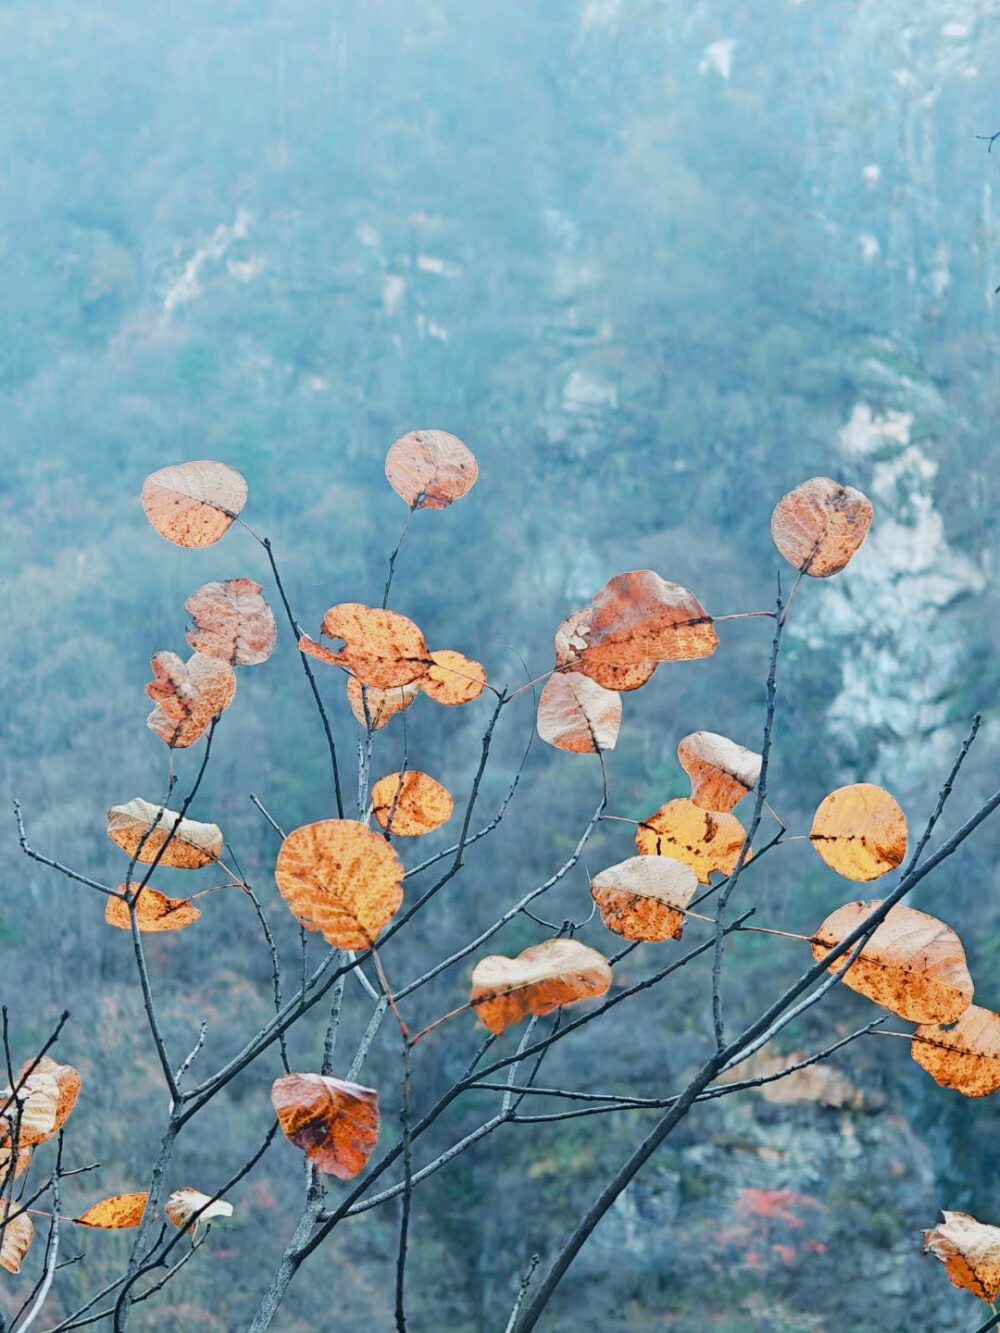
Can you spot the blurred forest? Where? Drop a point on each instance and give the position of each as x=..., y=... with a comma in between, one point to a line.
x=656, y=262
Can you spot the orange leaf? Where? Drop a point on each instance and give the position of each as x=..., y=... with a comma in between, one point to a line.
x=155, y=912
x=578, y=715
x=636, y=621
x=819, y=526
x=430, y=469
x=639, y=898
x=913, y=965
x=15, y=1237
x=68, y=1082
x=192, y=845
x=721, y=771
x=182, y=1204
x=383, y=705
x=194, y=504
x=410, y=804
x=341, y=879
x=702, y=839
x=452, y=679
x=24, y=1155
x=966, y=1056
x=970, y=1252
x=860, y=831
x=335, y=1124
x=381, y=648
x=542, y=978
x=232, y=622
x=175, y=693
x=118, y=1213
x=191, y=694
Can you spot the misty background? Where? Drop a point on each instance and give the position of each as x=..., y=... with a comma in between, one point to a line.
x=656, y=262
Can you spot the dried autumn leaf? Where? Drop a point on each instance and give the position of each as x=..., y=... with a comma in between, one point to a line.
x=383, y=705
x=155, y=912
x=970, y=1252
x=431, y=469
x=819, y=1084
x=171, y=688
x=118, y=1213
x=542, y=978
x=340, y=878
x=68, y=1082
x=578, y=715
x=382, y=648
x=16, y=1236
x=183, y=1204
x=194, y=504
x=721, y=771
x=965, y=1056
x=232, y=622
x=639, y=898
x=637, y=621
x=571, y=640
x=32, y=1116
x=452, y=678
x=819, y=526
x=913, y=965
x=196, y=691
x=336, y=1124
x=192, y=845
x=411, y=804
x=705, y=840
x=24, y=1156
x=860, y=831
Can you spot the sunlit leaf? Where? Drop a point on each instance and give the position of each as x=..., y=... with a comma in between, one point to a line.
x=340, y=878
x=16, y=1236
x=192, y=845
x=860, y=831
x=430, y=469
x=965, y=1056
x=32, y=1116
x=154, y=911
x=381, y=648
x=819, y=525
x=578, y=715
x=194, y=504
x=68, y=1082
x=232, y=622
x=191, y=694
x=452, y=678
x=913, y=965
x=703, y=839
x=183, y=1204
x=639, y=898
x=24, y=1155
x=721, y=771
x=171, y=688
x=410, y=804
x=118, y=1213
x=543, y=977
x=970, y=1252
x=383, y=705
x=335, y=1124
x=636, y=621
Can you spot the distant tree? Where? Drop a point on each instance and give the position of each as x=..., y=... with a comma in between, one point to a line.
x=343, y=878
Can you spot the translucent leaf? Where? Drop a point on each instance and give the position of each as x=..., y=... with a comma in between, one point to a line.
x=970, y=1252
x=67, y=1081
x=383, y=705
x=860, y=831
x=118, y=1213
x=703, y=839
x=381, y=648
x=542, y=978
x=335, y=1124
x=33, y=1114
x=819, y=526
x=913, y=965
x=965, y=1056
x=190, y=695
x=193, y=844
x=452, y=679
x=639, y=898
x=578, y=715
x=232, y=622
x=340, y=878
x=721, y=771
x=194, y=504
x=15, y=1238
x=411, y=804
x=430, y=469
x=155, y=912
